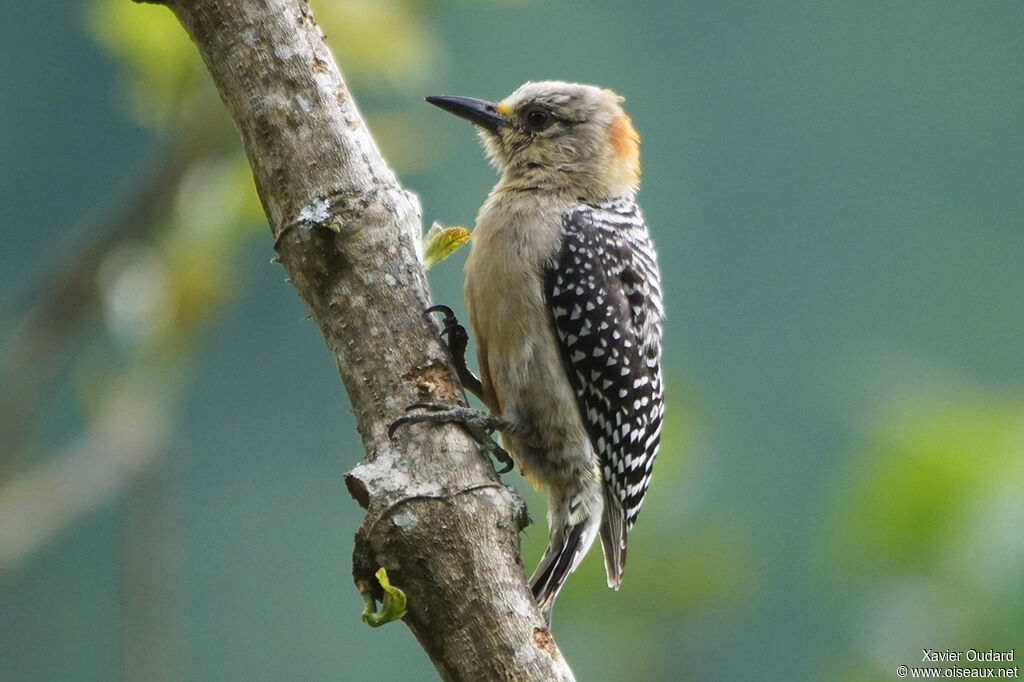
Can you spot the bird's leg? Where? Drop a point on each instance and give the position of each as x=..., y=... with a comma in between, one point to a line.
x=479, y=424
x=456, y=343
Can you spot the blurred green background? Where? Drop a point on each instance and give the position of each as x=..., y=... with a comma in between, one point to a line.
x=837, y=194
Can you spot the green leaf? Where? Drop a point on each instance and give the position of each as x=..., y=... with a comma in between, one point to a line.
x=393, y=607
x=441, y=242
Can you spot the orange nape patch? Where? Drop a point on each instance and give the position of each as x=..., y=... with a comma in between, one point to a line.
x=626, y=143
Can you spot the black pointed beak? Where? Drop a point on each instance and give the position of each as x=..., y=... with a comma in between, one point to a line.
x=477, y=111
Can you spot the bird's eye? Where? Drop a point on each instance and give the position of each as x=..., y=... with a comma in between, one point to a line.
x=538, y=118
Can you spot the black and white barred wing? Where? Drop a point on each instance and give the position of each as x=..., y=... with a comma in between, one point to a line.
x=604, y=296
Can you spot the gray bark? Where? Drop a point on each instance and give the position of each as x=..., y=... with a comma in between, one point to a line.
x=437, y=517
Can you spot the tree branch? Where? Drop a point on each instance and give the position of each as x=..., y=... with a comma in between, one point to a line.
x=438, y=519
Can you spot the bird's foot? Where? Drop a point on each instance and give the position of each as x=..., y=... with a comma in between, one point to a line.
x=479, y=424
x=457, y=340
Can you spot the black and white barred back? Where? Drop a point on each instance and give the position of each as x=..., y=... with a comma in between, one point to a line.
x=604, y=294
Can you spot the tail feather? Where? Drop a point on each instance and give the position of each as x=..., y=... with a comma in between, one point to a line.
x=613, y=540
x=563, y=555
x=574, y=518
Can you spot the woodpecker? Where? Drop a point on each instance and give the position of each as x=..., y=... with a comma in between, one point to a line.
x=564, y=299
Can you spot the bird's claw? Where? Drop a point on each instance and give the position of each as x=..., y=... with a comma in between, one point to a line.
x=430, y=407
x=413, y=418
x=450, y=323
x=479, y=424
x=449, y=314
x=500, y=455
x=457, y=341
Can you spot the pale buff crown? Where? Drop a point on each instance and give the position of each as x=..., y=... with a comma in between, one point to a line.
x=565, y=137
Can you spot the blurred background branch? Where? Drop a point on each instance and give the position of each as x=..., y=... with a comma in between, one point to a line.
x=68, y=300
x=127, y=435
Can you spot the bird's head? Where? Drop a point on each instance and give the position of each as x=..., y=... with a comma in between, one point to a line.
x=557, y=136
